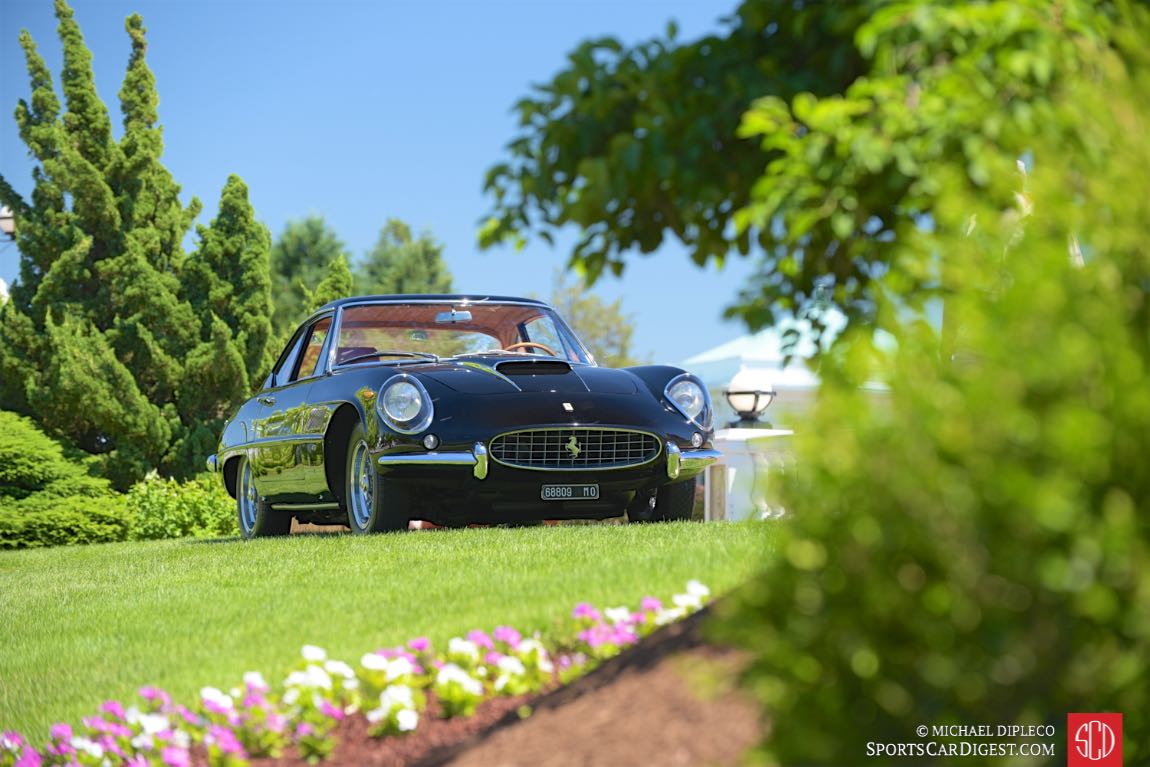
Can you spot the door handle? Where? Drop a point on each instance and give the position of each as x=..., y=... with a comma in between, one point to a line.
x=266, y=400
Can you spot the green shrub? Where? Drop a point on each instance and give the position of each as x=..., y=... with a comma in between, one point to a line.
x=974, y=549
x=51, y=521
x=165, y=508
x=31, y=461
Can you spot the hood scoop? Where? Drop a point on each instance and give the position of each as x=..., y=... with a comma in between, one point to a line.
x=542, y=376
x=514, y=368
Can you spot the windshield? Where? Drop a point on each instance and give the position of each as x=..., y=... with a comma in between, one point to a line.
x=369, y=332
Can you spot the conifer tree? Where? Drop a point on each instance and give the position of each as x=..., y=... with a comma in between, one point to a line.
x=114, y=339
x=401, y=263
x=301, y=258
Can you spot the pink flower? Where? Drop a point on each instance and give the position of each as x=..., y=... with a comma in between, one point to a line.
x=650, y=605
x=584, y=610
x=303, y=729
x=481, y=639
x=254, y=700
x=60, y=731
x=226, y=740
x=625, y=636
x=29, y=757
x=419, y=644
x=173, y=756
x=327, y=709
x=187, y=715
x=508, y=635
x=113, y=707
x=155, y=695
x=492, y=658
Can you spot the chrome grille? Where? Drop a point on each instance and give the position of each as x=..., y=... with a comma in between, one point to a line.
x=592, y=448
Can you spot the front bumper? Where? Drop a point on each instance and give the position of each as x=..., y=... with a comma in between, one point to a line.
x=680, y=464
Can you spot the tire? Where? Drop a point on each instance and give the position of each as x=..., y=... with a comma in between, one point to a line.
x=374, y=505
x=257, y=519
x=673, y=502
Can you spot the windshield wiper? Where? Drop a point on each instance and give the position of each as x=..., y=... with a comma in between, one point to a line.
x=389, y=353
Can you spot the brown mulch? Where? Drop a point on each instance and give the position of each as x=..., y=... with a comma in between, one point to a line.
x=669, y=700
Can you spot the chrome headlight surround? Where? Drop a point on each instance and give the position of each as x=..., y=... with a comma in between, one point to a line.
x=413, y=424
x=687, y=395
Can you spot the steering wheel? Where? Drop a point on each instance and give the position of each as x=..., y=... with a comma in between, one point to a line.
x=536, y=344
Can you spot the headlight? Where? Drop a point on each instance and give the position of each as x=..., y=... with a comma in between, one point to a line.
x=405, y=405
x=690, y=399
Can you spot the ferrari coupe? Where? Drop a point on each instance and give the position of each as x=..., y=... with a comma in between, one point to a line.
x=457, y=410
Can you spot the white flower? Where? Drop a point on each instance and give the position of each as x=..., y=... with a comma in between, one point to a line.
x=291, y=696
x=509, y=664
x=351, y=684
x=401, y=666
x=90, y=747
x=313, y=654
x=396, y=695
x=181, y=739
x=669, y=615
x=153, y=724
x=545, y=665
x=463, y=647
x=373, y=661
x=312, y=676
x=528, y=646
x=687, y=601
x=339, y=668
x=696, y=589
x=450, y=673
x=617, y=614
x=407, y=719
x=376, y=715
x=217, y=696
x=143, y=742
x=254, y=680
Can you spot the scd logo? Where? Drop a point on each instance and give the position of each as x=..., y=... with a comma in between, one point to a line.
x=1094, y=740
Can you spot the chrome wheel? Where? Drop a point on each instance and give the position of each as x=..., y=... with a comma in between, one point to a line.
x=246, y=497
x=362, y=487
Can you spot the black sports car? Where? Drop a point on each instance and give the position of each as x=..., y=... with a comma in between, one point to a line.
x=459, y=409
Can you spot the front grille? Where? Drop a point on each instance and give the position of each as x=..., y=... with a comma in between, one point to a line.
x=591, y=448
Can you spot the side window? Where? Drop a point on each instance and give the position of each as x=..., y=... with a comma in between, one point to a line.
x=287, y=361
x=309, y=361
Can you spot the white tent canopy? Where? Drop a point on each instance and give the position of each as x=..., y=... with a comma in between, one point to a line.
x=762, y=350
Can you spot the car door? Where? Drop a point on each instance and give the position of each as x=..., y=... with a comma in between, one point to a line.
x=285, y=446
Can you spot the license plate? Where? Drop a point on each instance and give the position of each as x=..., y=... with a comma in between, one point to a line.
x=569, y=493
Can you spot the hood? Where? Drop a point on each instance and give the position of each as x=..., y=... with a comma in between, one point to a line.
x=486, y=375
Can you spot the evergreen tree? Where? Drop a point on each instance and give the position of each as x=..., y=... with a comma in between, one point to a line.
x=114, y=340
x=337, y=284
x=300, y=259
x=400, y=263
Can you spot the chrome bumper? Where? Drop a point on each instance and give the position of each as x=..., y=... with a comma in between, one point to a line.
x=686, y=464
x=213, y=463
x=680, y=464
x=476, y=459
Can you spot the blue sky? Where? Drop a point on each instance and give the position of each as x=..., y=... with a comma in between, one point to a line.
x=361, y=111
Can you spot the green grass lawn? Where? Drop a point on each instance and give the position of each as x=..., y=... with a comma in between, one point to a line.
x=81, y=624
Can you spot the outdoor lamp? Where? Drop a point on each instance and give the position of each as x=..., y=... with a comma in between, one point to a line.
x=749, y=393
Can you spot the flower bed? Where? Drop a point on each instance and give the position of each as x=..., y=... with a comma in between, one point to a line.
x=392, y=689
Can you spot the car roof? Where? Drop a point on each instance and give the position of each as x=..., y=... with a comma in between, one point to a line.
x=472, y=298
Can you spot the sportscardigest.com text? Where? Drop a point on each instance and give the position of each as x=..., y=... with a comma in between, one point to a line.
x=959, y=740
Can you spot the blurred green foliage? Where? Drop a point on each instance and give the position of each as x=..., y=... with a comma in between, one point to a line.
x=811, y=134
x=972, y=549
